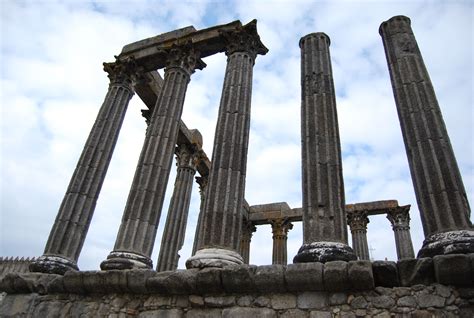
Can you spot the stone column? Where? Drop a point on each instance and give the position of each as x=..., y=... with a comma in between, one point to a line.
x=202, y=181
x=439, y=189
x=222, y=219
x=72, y=222
x=247, y=231
x=357, y=221
x=176, y=220
x=400, y=220
x=324, y=217
x=280, y=230
x=137, y=232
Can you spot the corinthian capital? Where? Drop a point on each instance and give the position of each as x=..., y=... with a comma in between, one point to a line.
x=399, y=217
x=121, y=71
x=357, y=220
x=280, y=227
x=244, y=39
x=184, y=57
x=186, y=156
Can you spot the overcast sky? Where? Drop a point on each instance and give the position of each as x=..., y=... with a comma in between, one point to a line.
x=52, y=86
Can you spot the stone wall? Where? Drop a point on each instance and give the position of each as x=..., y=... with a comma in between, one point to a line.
x=438, y=287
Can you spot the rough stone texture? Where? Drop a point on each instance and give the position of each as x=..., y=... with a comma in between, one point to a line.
x=238, y=278
x=304, y=276
x=453, y=270
x=221, y=221
x=385, y=273
x=360, y=275
x=439, y=189
x=283, y=301
x=310, y=300
x=324, y=217
x=270, y=278
x=416, y=271
x=335, y=276
x=248, y=312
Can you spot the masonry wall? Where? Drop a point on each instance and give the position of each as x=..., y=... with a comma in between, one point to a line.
x=438, y=287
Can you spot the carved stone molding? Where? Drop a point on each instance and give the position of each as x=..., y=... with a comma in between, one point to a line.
x=121, y=71
x=399, y=217
x=244, y=39
x=184, y=57
x=280, y=228
x=357, y=221
x=187, y=156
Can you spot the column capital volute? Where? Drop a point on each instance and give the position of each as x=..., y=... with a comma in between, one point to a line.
x=244, y=39
x=122, y=71
x=184, y=57
x=358, y=220
x=399, y=217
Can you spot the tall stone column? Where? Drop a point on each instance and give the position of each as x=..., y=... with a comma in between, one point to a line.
x=358, y=221
x=280, y=230
x=222, y=219
x=136, y=236
x=400, y=220
x=176, y=220
x=246, y=237
x=72, y=222
x=439, y=189
x=324, y=217
x=202, y=181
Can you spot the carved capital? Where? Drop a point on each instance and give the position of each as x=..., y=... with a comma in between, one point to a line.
x=399, y=217
x=280, y=228
x=121, y=71
x=244, y=39
x=202, y=181
x=247, y=230
x=357, y=220
x=184, y=57
x=186, y=156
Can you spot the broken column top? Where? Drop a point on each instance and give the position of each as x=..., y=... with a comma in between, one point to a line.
x=150, y=53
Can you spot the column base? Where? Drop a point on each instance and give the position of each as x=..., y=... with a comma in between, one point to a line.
x=214, y=257
x=452, y=242
x=324, y=252
x=53, y=264
x=126, y=260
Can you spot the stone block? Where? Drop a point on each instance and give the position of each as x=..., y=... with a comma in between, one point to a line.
x=416, y=271
x=283, y=301
x=162, y=313
x=204, y=313
x=178, y=282
x=359, y=302
x=155, y=302
x=137, y=280
x=428, y=300
x=115, y=281
x=270, y=278
x=73, y=282
x=320, y=314
x=238, y=279
x=335, y=276
x=383, y=302
x=304, y=277
x=92, y=283
x=219, y=301
x=385, y=274
x=293, y=313
x=239, y=312
x=454, y=269
x=245, y=301
x=17, y=305
x=337, y=298
x=209, y=281
x=196, y=301
x=360, y=275
x=262, y=301
x=313, y=300
x=407, y=301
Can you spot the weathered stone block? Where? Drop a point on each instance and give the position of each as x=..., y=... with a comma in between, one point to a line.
x=304, y=277
x=209, y=280
x=270, y=278
x=178, y=282
x=204, y=313
x=294, y=313
x=453, y=269
x=320, y=314
x=383, y=302
x=337, y=298
x=73, y=282
x=162, y=313
x=238, y=279
x=313, y=300
x=359, y=302
x=17, y=305
x=335, y=276
x=137, y=280
x=360, y=275
x=219, y=301
x=385, y=273
x=407, y=301
x=245, y=301
x=155, y=302
x=196, y=301
x=262, y=301
x=416, y=271
x=238, y=312
x=428, y=300
x=115, y=281
x=283, y=301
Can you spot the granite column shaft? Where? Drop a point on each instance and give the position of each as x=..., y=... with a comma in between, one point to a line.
x=72, y=222
x=358, y=221
x=136, y=236
x=324, y=219
x=400, y=220
x=222, y=218
x=280, y=230
x=438, y=185
x=247, y=231
x=176, y=220
x=202, y=181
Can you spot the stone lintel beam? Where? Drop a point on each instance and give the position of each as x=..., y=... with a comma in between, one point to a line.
x=148, y=52
x=265, y=213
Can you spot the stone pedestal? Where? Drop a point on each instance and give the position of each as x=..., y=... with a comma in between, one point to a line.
x=357, y=221
x=324, y=219
x=280, y=230
x=176, y=220
x=75, y=213
x=246, y=237
x=222, y=218
x=137, y=232
x=439, y=189
x=400, y=220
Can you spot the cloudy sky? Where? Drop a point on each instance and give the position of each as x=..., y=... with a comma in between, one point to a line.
x=52, y=86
